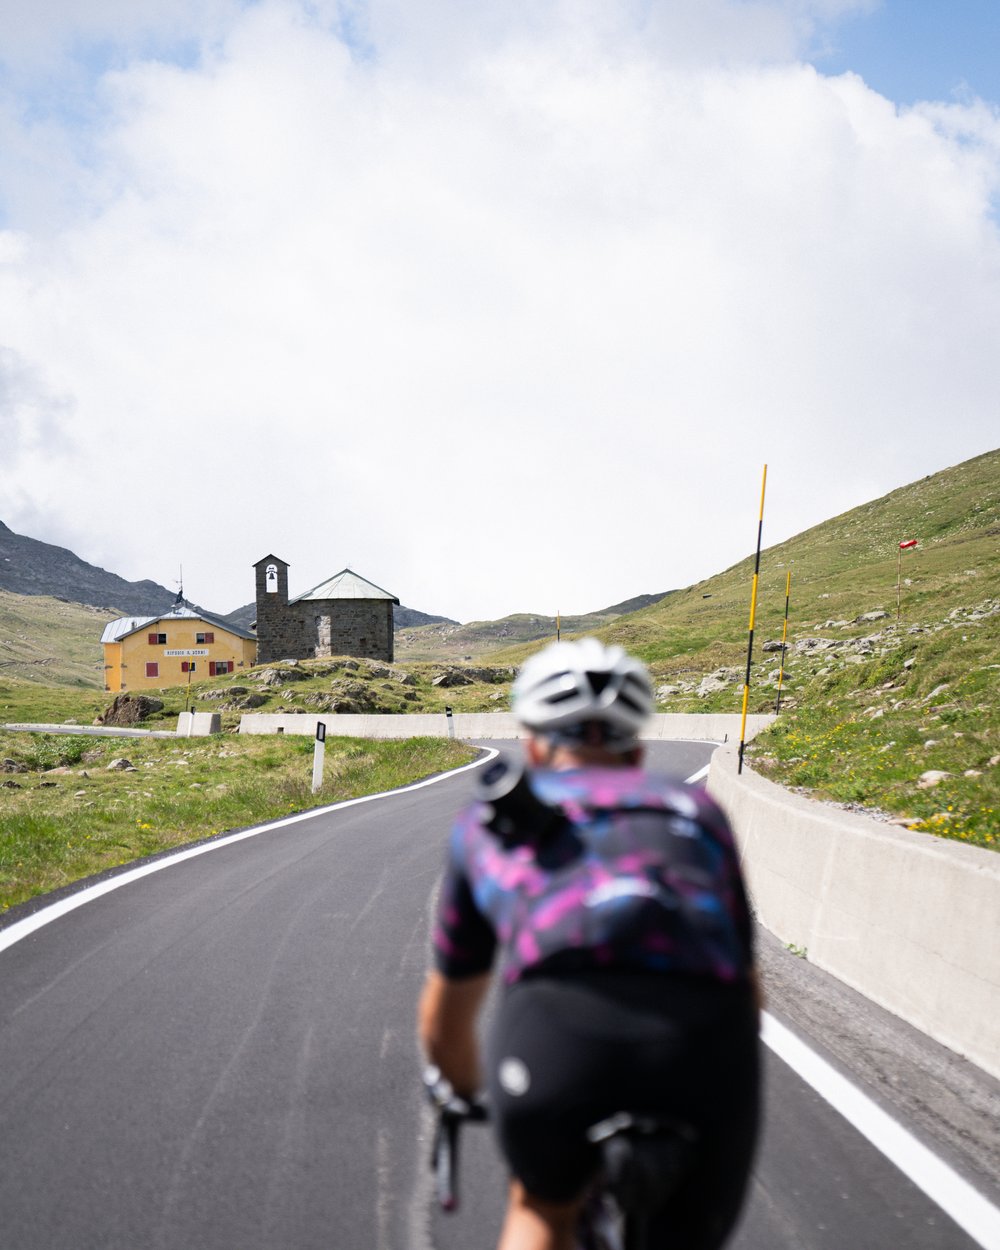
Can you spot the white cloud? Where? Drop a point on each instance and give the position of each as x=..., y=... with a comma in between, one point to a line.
x=507, y=321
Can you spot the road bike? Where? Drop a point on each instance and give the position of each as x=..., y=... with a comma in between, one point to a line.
x=642, y=1161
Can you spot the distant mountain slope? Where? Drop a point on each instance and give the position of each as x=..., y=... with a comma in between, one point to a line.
x=31, y=567
x=480, y=639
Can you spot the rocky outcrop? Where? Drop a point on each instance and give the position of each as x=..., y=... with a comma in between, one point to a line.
x=126, y=710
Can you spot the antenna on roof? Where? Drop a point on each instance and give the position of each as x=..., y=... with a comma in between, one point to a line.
x=179, y=601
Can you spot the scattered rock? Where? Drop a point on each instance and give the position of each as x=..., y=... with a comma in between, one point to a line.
x=719, y=680
x=122, y=766
x=878, y=615
x=280, y=676
x=129, y=709
x=12, y=766
x=972, y=772
x=672, y=688
x=451, y=677
x=933, y=777
x=248, y=701
x=11, y=785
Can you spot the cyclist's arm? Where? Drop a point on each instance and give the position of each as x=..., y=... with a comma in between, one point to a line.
x=446, y=1025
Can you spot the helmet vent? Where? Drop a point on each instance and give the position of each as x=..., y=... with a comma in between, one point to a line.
x=598, y=681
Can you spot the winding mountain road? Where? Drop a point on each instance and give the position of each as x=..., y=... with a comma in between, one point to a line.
x=218, y=1051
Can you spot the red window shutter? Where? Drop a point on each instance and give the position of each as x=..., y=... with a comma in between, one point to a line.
x=184, y=666
x=210, y=637
x=153, y=639
x=211, y=668
x=152, y=669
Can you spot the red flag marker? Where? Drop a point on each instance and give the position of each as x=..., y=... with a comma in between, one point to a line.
x=911, y=543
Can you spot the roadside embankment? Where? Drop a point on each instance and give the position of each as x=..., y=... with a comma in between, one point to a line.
x=469, y=726
x=909, y=920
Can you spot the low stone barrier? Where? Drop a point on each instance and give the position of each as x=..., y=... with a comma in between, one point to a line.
x=672, y=726
x=909, y=920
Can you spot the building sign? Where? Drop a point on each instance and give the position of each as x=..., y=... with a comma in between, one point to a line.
x=189, y=651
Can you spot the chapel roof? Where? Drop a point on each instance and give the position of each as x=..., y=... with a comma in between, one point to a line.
x=345, y=585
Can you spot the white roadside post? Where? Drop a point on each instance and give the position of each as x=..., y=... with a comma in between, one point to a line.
x=319, y=750
x=451, y=723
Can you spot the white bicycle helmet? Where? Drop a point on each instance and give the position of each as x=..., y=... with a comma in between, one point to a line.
x=569, y=687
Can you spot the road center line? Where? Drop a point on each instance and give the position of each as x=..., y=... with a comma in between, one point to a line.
x=955, y=1196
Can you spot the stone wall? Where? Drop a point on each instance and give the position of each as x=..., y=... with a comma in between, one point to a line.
x=317, y=627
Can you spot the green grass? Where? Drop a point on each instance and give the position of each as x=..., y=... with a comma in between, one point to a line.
x=60, y=826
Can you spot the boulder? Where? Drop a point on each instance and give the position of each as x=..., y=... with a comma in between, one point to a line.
x=129, y=709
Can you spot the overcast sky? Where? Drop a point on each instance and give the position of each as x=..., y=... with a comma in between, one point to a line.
x=505, y=306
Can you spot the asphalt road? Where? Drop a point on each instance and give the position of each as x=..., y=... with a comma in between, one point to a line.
x=220, y=1054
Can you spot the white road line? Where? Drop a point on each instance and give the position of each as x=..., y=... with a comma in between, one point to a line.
x=31, y=924
x=955, y=1196
x=702, y=772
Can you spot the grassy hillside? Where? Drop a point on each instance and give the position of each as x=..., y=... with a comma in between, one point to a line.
x=51, y=642
x=896, y=714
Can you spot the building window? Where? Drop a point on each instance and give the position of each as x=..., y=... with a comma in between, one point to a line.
x=187, y=666
x=157, y=640
x=206, y=637
x=152, y=669
x=217, y=667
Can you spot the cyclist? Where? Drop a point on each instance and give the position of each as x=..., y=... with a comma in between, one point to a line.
x=626, y=957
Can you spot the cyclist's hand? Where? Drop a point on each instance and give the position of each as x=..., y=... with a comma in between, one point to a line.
x=442, y=1095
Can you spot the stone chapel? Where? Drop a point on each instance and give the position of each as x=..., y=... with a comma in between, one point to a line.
x=345, y=615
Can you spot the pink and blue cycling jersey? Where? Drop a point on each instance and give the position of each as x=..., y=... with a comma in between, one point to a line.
x=642, y=875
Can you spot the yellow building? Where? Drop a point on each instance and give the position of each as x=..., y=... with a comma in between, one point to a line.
x=148, y=652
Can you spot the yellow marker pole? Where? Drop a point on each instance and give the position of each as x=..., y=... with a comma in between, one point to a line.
x=784, y=636
x=558, y=631
x=753, y=613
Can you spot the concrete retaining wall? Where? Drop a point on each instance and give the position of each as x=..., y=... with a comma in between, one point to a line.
x=198, y=724
x=909, y=920
x=671, y=726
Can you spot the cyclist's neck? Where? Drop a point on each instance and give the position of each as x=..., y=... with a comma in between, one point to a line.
x=559, y=757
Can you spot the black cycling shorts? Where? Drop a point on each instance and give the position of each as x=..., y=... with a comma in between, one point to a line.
x=567, y=1053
